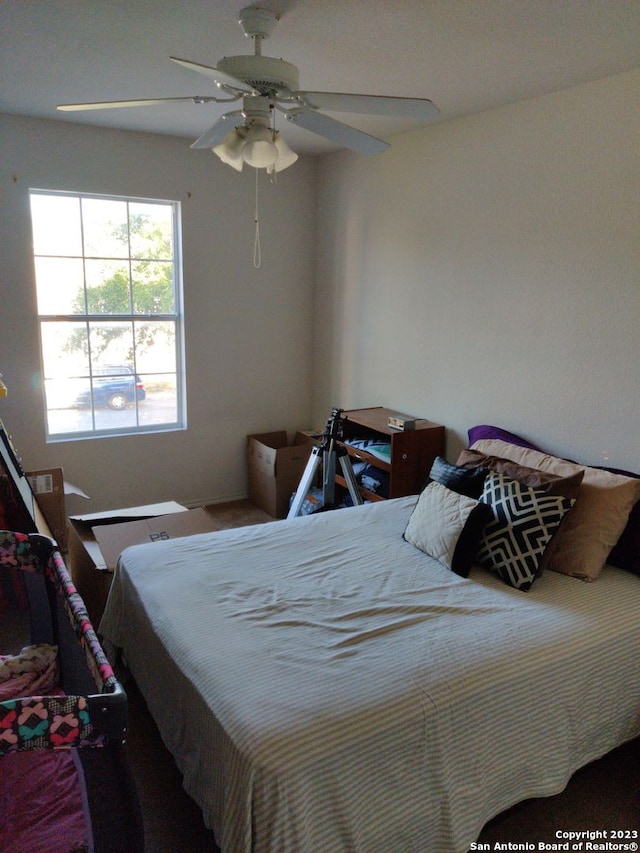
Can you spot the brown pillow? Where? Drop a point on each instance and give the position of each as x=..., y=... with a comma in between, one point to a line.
x=553, y=484
x=599, y=515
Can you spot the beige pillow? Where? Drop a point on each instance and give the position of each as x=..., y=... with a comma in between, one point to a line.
x=447, y=526
x=599, y=515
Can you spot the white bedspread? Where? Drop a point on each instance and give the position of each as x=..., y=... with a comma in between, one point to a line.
x=323, y=685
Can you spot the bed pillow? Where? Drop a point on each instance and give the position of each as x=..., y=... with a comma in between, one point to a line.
x=524, y=521
x=597, y=520
x=447, y=526
x=626, y=553
x=553, y=484
x=467, y=481
x=486, y=431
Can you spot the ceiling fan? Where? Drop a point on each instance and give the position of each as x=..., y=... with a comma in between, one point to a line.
x=266, y=85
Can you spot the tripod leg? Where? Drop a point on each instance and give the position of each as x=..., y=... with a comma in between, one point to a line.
x=329, y=478
x=350, y=477
x=305, y=482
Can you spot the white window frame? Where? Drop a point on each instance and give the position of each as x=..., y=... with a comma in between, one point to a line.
x=176, y=317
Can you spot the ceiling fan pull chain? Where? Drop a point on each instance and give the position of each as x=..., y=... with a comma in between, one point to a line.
x=256, y=244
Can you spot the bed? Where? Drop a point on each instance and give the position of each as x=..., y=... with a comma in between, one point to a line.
x=336, y=683
x=65, y=783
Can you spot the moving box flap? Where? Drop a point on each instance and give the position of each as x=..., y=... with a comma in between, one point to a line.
x=114, y=538
x=133, y=513
x=48, y=488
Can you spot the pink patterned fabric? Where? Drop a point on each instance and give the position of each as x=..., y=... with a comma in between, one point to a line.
x=16, y=551
x=45, y=802
x=45, y=722
x=29, y=722
x=26, y=684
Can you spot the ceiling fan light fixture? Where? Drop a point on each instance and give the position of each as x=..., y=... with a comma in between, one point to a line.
x=231, y=148
x=259, y=150
x=286, y=157
x=257, y=146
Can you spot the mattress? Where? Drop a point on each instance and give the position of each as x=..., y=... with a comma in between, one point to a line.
x=323, y=685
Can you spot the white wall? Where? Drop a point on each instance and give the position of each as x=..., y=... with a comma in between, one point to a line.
x=483, y=270
x=248, y=332
x=487, y=270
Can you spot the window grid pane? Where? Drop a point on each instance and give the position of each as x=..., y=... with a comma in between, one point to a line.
x=109, y=298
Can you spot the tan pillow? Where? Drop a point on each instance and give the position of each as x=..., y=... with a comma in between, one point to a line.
x=599, y=515
x=553, y=484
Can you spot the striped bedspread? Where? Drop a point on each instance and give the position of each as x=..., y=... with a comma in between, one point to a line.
x=323, y=685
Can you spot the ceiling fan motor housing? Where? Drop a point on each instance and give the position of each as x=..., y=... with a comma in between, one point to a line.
x=257, y=23
x=266, y=84
x=265, y=74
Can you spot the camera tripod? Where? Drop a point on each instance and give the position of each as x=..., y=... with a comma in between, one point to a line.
x=327, y=453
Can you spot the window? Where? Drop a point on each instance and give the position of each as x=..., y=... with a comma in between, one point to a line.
x=109, y=302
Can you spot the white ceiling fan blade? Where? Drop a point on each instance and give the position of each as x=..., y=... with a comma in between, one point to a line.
x=381, y=105
x=221, y=78
x=336, y=131
x=146, y=102
x=219, y=130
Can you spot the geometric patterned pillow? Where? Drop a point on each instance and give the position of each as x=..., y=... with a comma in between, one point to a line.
x=524, y=520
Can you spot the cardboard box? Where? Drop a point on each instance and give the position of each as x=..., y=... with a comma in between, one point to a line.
x=275, y=469
x=48, y=487
x=96, y=540
x=308, y=437
x=40, y=506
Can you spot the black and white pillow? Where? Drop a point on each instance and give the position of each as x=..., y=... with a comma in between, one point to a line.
x=447, y=526
x=524, y=520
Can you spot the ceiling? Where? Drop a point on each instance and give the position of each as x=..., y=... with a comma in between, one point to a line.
x=464, y=55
